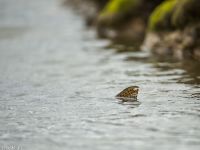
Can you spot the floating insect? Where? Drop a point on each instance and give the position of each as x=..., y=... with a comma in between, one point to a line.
x=129, y=93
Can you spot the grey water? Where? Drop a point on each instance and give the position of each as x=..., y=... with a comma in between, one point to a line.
x=58, y=82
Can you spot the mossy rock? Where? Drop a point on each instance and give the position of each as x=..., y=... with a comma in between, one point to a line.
x=116, y=11
x=118, y=6
x=187, y=12
x=161, y=17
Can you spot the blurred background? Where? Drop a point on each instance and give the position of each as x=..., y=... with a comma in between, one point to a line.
x=62, y=62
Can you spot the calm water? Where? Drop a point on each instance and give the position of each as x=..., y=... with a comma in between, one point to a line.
x=57, y=87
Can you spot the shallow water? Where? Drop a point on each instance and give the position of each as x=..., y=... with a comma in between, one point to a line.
x=58, y=82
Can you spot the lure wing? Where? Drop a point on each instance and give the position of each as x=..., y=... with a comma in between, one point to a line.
x=130, y=92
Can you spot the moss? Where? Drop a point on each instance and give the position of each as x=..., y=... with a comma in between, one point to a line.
x=174, y=14
x=187, y=12
x=160, y=17
x=118, y=6
x=116, y=10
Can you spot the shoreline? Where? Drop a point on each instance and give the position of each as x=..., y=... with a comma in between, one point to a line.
x=166, y=28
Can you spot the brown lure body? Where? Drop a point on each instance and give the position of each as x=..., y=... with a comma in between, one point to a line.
x=130, y=92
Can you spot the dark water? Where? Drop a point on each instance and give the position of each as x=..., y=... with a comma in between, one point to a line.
x=57, y=87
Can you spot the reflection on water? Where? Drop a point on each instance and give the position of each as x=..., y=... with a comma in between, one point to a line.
x=187, y=71
x=132, y=104
x=58, y=82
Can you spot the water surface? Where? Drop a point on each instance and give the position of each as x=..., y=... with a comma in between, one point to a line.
x=58, y=82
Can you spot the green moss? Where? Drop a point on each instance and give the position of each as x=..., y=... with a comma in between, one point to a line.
x=118, y=6
x=116, y=10
x=160, y=17
x=187, y=12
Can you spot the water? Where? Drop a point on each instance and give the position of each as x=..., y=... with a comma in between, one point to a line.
x=58, y=82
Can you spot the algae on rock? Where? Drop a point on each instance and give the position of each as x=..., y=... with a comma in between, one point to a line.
x=176, y=26
x=187, y=12
x=174, y=14
x=116, y=11
x=161, y=17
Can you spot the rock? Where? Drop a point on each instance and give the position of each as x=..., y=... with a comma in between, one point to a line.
x=197, y=54
x=125, y=20
x=116, y=11
x=179, y=44
x=186, y=13
x=160, y=19
x=174, y=29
